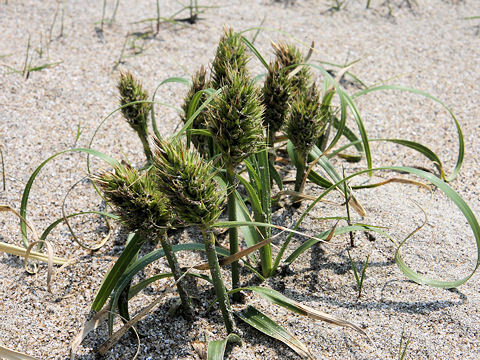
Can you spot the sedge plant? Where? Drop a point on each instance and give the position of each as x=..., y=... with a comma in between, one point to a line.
x=235, y=122
x=144, y=209
x=189, y=184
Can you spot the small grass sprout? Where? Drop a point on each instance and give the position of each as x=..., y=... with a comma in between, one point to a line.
x=358, y=278
x=403, y=346
x=136, y=114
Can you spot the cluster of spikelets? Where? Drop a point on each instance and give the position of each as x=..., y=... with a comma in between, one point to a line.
x=306, y=120
x=243, y=117
x=136, y=198
x=188, y=182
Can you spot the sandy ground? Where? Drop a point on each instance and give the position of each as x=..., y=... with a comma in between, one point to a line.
x=430, y=47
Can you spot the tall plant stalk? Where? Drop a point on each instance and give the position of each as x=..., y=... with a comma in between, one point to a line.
x=220, y=291
x=177, y=273
x=233, y=231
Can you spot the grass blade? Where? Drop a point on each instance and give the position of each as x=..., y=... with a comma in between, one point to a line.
x=114, y=275
x=447, y=190
x=461, y=144
x=281, y=300
x=216, y=349
x=264, y=324
x=8, y=354
x=26, y=191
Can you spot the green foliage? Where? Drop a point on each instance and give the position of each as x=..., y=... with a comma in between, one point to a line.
x=235, y=119
x=199, y=83
x=358, y=278
x=188, y=182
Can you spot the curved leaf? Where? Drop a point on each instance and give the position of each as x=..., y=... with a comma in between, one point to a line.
x=461, y=143
x=26, y=191
x=264, y=324
x=216, y=349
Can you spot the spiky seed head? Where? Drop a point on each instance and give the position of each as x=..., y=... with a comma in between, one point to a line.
x=288, y=55
x=136, y=199
x=136, y=114
x=276, y=97
x=305, y=123
x=188, y=182
x=235, y=119
x=199, y=82
x=231, y=54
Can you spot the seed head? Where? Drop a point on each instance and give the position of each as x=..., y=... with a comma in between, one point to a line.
x=231, y=54
x=137, y=201
x=306, y=123
x=276, y=97
x=188, y=182
x=288, y=55
x=235, y=119
x=136, y=114
x=199, y=82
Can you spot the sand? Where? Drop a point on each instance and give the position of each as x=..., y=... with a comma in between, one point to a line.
x=430, y=47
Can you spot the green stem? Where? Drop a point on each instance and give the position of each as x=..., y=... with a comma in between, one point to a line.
x=177, y=273
x=299, y=178
x=233, y=231
x=143, y=135
x=218, y=285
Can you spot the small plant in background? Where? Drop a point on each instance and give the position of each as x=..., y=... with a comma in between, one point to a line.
x=188, y=182
x=358, y=278
x=403, y=346
x=28, y=68
x=135, y=108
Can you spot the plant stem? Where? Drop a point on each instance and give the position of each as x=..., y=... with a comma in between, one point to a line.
x=146, y=146
x=218, y=285
x=233, y=231
x=299, y=183
x=173, y=263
